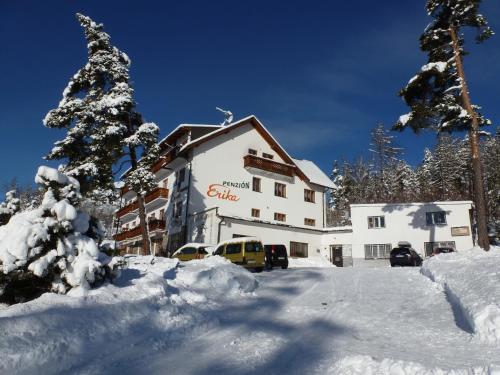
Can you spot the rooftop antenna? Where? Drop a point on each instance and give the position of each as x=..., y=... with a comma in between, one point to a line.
x=228, y=116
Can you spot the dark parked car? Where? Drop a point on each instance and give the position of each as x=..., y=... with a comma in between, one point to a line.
x=276, y=256
x=405, y=256
x=442, y=250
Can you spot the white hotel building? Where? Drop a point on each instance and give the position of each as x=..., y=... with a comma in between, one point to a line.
x=219, y=182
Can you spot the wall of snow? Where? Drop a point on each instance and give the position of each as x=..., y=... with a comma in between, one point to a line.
x=153, y=304
x=362, y=365
x=472, y=282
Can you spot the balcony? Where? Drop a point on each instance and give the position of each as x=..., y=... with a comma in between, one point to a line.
x=164, y=160
x=153, y=225
x=150, y=197
x=252, y=161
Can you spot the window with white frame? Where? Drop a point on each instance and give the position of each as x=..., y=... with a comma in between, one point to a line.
x=279, y=190
x=376, y=222
x=377, y=251
x=435, y=218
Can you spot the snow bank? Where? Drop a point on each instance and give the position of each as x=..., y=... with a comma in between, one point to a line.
x=317, y=262
x=155, y=303
x=472, y=282
x=362, y=365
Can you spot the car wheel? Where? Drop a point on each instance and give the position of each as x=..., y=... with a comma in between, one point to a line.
x=284, y=266
x=259, y=269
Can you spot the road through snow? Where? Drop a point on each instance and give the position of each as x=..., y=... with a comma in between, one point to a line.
x=304, y=320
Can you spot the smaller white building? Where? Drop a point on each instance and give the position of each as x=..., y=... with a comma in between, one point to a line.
x=377, y=228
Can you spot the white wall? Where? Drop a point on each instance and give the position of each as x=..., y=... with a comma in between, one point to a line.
x=221, y=159
x=407, y=222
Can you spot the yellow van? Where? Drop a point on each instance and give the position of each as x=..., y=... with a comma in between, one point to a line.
x=244, y=251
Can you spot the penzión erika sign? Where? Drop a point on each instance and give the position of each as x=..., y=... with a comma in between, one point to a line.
x=223, y=191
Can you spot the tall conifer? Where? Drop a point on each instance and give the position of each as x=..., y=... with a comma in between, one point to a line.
x=438, y=95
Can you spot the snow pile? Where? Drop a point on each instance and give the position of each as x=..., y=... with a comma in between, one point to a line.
x=362, y=364
x=155, y=304
x=217, y=273
x=316, y=262
x=472, y=281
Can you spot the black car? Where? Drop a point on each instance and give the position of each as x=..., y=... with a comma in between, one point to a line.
x=276, y=256
x=442, y=250
x=405, y=256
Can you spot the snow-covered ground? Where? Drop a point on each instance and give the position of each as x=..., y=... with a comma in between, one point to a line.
x=471, y=280
x=319, y=261
x=212, y=317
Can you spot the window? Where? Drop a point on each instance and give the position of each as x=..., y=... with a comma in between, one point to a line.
x=376, y=222
x=181, y=175
x=267, y=156
x=219, y=251
x=233, y=248
x=188, y=250
x=435, y=218
x=279, y=217
x=162, y=214
x=298, y=250
x=310, y=222
x=309, y=195
x=253, y=247
x=177, y=209
x=377, y=251
x=280, y=190
x=431, y=246
x=255, y=212
x=256, y=184
x=164, y=183
x=251, y=151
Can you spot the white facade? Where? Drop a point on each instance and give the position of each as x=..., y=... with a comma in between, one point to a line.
x=216, y=183
x=414, y=222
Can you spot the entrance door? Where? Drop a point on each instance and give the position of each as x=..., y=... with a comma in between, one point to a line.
x=336, y=255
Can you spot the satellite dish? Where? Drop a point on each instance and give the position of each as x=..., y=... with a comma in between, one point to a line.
x=228, y=116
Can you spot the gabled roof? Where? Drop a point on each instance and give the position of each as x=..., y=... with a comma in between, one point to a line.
x=305, y=169
x=184, y=127
x=314, y=174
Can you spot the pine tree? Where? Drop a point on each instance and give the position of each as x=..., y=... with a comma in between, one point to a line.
x=53, y=247
x=104, y=128
x=9, y=207
x=339, y=205
x=385, y=157
x=438, y=95
x=491, y=163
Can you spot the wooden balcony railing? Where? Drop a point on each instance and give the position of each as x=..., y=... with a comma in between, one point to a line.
x=164, y=160
x=154, y=194
x=153, y=225
x=268, y=165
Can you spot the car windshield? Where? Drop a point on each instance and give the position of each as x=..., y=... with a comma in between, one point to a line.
x=188, y=250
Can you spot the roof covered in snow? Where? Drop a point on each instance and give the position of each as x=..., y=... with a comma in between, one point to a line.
x=313, y=173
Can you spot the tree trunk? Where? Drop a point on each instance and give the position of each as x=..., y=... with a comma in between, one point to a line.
x=479, y=199
x=146, y=248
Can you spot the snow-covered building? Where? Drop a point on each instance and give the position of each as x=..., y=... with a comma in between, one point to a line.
x=219, y=182
x=377, y=228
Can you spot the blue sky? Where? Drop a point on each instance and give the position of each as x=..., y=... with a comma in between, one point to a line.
x=319, y=74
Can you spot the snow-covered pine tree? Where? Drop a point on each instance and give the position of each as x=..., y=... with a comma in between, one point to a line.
x=339, y=204
x=52, y=247
x=103, y=125
x=438, y=95
x=385, y=157
x=9, y=207
x=491, y=163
